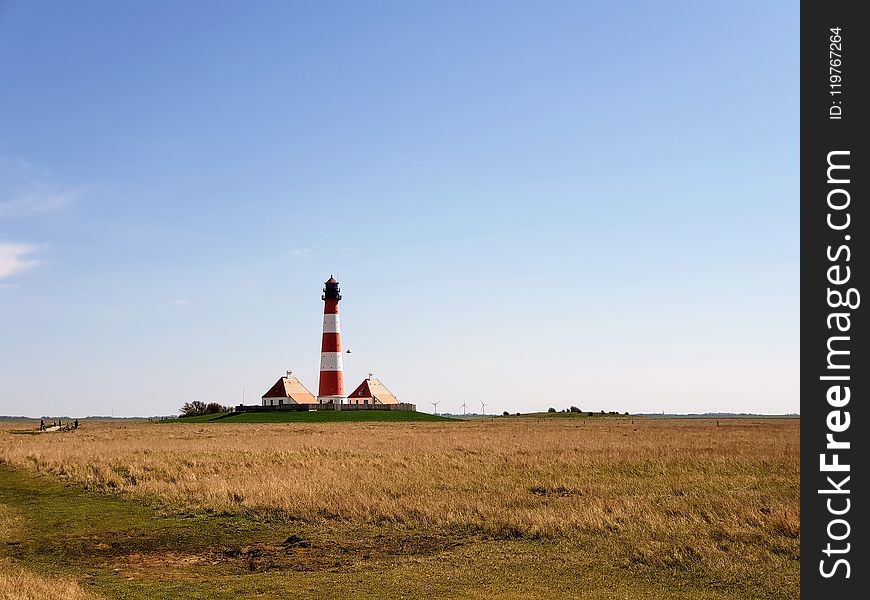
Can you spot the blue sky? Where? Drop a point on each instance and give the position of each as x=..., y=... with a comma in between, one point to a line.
x=529, y=204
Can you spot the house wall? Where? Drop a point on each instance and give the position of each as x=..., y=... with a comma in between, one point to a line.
x=277, y=401
x=367, y=400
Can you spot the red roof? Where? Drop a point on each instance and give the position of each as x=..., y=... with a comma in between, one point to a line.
x=331, y=280
x=277, y=391
x=362, y=391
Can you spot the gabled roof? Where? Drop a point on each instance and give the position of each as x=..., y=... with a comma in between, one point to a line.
x=373, y=388
x=362, y=390
x=290, y=387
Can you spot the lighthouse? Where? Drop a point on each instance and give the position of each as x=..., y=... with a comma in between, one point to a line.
x=331, y=376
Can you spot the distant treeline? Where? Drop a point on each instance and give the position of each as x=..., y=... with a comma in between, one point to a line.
x=721, y=415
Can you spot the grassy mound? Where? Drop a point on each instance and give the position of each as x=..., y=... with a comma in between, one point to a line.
x=198, y=418
x=320, y=416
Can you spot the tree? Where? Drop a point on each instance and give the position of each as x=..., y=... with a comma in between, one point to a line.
x=190, y=409
x=213, y=407
x=575, y=409
x=551, y=409
x=506, y=414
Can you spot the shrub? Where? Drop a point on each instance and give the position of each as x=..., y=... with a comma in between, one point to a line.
x=197, y=407
x=190, y=409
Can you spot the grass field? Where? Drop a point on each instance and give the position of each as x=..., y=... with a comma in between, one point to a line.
x=489, y=508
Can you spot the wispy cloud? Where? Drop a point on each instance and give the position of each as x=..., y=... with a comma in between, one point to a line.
x=27, y=189
x=36, y=201
x=15, y=257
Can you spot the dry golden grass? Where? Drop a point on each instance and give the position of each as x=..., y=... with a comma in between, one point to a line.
x=17, y=583
x=662, y=494
x=11, y=523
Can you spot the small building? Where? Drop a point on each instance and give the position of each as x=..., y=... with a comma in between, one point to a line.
x=288, y=390
x=372, y=391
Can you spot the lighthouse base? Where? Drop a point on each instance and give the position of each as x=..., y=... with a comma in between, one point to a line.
x=337, y=400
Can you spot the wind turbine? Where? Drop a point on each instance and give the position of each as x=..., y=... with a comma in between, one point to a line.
x=482, y=407
x=435, y=404
x=463, y=406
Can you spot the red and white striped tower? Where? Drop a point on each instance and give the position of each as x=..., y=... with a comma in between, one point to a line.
x=331, y=375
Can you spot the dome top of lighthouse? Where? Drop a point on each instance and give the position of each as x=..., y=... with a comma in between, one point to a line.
x=330, y=290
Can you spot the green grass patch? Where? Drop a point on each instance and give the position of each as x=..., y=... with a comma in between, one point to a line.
x=198, y=418
x=323, y=416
